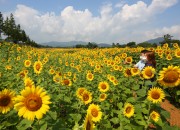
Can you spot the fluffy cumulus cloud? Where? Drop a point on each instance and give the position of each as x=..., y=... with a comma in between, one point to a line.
x=173, y=30
x=124, y=25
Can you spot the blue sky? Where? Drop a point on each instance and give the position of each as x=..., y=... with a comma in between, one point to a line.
x=95, y=20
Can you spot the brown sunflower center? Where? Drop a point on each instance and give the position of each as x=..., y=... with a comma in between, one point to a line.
x=66, y=82
x=112, y=78
x=148, y=72
x=27, y=63
x=103, y=86
x=38, y=66
x=128, y=59
x=102, y=96
x=128, y=110
x=22, y=75
x=135, y=70
x=153, y=116
x=5, y=100
x=85, y=97
x=155, y=95
x=52, y=71
x=94, y=112
x=90, y=76
x=33, y=102
x=128, y=71
x=171, y=76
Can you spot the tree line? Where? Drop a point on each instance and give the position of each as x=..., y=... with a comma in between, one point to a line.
x=167, y=38
x=13, y=31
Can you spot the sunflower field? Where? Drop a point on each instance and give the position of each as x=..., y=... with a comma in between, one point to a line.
x=86, y=89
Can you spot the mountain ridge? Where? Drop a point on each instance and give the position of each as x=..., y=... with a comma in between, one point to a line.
x=74, y=43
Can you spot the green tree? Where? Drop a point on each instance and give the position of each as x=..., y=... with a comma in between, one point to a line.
x=113, y=44
x=6, y=27
x=91, y=45
x=167, y=38
x=131, y=44
x=1, y=24
x=146, y=44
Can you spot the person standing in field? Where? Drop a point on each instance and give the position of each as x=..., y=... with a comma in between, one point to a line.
x=141, y=64
x=150, y=61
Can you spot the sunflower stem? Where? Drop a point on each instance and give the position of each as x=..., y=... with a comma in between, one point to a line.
x=148, y=120
x=38, y=125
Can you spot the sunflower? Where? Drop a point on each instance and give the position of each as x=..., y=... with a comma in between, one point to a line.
x=177, y=53
x=124, y=55
x=74, y=78
x=95, y=112
x=169, y=77
x=72, y=64
x=28, y=82
x=165, y=45
x=57, y=78
x=128, y=60
x=148, y=72
x=6, y=100
x=51, y=71
x=154, y=116
x=97, y=67
x=175, y=45
x=67, y=82
x=88, y=123
x=111, y=78
x=102, y=97
x=66, y=64
x=27, y=63
x=86, y=97
x=116, y=67
x=169, y=57
x=69, y=73
x=103, y=86
x=135, y=71
x=38, y=67
x=33, y=102
x=115, y=82
x=22, y=74
x=8, y=67
x=45, y=60
x=127, y=72
x=89, y=76
x=112, y=63
x=156, y=95
x=18, y=48
x=120, y=68
x=18, y=58
x=128, y=110
x=79, y=92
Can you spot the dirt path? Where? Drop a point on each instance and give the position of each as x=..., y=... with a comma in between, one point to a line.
x=174, y=113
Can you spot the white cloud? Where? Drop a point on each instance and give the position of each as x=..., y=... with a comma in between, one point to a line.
x=120, y=4
x=173, y=31
x=124, y=25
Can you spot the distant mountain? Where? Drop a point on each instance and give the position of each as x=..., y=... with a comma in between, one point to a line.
x=63, y=44
x=71, y=44
x=104, y=45
x=156, y=40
